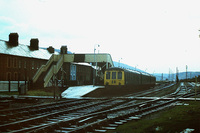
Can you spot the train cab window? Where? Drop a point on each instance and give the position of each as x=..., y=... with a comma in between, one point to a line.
x=107, y=75
x=113, y=75
x=119, y=75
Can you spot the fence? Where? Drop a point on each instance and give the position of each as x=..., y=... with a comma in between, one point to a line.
x=8, y=86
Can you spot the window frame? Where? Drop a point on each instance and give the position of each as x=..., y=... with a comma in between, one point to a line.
x=108, y=75
x=114, y=75
x=119, y=75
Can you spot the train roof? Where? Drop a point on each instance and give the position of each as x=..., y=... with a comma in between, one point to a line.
x=24, y=51
x=115, y=68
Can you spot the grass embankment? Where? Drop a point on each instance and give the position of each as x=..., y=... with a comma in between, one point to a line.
x=39, y=93
x=9, y=93
x=171, y=120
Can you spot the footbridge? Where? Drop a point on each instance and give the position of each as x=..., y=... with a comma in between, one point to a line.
x=48, y=72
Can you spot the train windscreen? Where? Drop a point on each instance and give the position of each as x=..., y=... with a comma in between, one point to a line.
x=107, y=75
x=113, y=75
x=119, y=75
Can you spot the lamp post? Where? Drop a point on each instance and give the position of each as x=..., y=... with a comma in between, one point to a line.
x=95, y=71
x=135, y=67
x=119, y=62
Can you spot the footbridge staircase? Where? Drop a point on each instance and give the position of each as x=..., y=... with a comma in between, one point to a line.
x=47, y=74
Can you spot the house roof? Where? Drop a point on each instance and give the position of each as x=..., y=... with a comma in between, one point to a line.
x=24, y=51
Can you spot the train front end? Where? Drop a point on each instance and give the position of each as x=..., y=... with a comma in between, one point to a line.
x=114, y=77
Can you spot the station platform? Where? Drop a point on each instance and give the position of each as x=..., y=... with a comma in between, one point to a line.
x=79, y=91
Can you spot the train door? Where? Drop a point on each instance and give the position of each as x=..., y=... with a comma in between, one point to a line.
x=120, y=78
x=114, y=78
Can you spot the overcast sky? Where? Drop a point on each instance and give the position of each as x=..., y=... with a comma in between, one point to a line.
x=154, y=35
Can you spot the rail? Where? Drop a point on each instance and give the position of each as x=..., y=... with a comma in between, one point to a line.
x=81, y=115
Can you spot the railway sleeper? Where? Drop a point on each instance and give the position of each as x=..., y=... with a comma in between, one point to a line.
x=91, y=126
x=6, y=117
x=9, y=128
x=88, y=127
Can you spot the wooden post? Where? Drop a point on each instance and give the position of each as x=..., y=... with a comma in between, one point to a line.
x=54, y=86
x=18, y=85
x=9, y=86
x=195, y=88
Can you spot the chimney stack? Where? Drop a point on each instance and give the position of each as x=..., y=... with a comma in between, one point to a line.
x=51, y=49
x=34, y=44
x=13, y=39
x=63, y=50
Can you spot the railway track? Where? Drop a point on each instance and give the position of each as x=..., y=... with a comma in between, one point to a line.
x=81, y=115
x=156, y=89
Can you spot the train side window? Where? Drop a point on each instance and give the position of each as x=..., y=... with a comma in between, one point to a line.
x=113, y=75
x=107, y=75
x=119, y=75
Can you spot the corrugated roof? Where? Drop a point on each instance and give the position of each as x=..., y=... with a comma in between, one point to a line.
x=24, y=50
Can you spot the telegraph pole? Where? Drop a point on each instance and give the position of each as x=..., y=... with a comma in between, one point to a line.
x=169, y=75
x=186, y=72
x=177, y=80
x=195, y=88
x=95, y=64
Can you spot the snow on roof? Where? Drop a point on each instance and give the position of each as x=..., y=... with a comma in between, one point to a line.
x=83, y=64
x=24, y=51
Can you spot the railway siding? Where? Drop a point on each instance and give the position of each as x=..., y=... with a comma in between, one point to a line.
x=83, y=115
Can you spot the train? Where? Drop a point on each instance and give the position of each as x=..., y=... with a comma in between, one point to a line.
x=120, y=77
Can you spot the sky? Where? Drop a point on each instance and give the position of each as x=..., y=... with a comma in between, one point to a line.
x=153, y=35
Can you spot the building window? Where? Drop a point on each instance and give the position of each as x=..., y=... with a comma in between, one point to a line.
x=14, y=62
x=20, y=64
x=24, y=64
x=19, y=76
x=15, y=76
x=8, y=76
x=9, y=62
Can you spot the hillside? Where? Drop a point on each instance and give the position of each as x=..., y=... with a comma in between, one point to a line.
x=117, y=64
x=181, y=75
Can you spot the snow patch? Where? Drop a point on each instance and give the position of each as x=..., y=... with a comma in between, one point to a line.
x=78, y=91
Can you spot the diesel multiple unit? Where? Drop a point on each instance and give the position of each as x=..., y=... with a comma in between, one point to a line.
x=123, y=77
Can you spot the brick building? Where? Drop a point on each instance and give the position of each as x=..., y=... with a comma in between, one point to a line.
x=20, y=62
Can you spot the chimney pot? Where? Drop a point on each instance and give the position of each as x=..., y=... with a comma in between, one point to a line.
x=51, y=49
x=34, y=44
x=63, y=50
x=13, y=39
